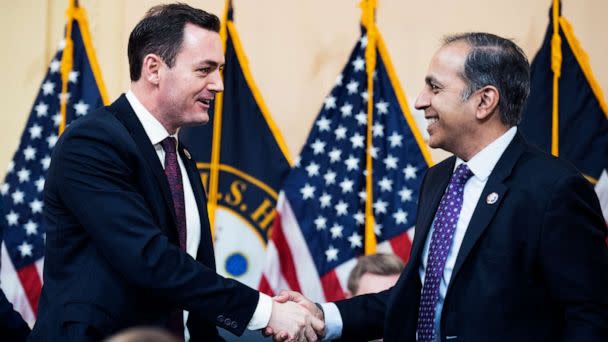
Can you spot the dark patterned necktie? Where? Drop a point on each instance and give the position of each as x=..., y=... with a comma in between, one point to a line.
x=444, y=227
x=174, y=176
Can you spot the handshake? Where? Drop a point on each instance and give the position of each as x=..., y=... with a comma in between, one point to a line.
x=294, y=318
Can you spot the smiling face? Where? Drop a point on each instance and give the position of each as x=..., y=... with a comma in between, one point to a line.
x=186, y=90
x=451, y=119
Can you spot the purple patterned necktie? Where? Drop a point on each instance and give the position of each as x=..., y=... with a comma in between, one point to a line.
x=444, y=226
x=174, y=176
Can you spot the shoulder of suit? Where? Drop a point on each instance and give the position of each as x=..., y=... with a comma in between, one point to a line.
x=544, y=168
x=100, y=124
x=446, y=163
x=102, y=117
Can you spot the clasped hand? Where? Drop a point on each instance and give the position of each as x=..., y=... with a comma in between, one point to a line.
x=294, y=318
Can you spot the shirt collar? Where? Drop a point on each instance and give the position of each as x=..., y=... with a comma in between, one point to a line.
x=155, y=131
x=484, y=161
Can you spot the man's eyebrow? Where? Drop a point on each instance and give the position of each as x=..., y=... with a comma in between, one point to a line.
x=208, y=62
x=431, y=80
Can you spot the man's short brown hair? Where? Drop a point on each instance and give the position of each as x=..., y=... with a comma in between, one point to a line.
x=161, y=32
x=379, y=264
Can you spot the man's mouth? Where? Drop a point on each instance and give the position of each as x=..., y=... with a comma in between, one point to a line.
x=432, y=120
x=206, y=102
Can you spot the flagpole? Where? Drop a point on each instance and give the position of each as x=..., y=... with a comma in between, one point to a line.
x=556, y=66
x=368, y=19
x=214, y=165
x=67, y=62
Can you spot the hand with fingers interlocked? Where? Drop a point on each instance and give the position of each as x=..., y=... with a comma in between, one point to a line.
x=295, y=318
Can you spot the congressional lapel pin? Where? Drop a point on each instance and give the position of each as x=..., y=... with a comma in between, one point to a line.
x=492, y=198
x=187, y=154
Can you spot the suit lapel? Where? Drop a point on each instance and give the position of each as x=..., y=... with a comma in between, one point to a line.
x=494, y=191
x=436, y=184
x=205, y=247
x=124, y=113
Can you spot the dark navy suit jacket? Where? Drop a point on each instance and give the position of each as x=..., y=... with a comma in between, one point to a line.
x=532, y=267
x=112, y=257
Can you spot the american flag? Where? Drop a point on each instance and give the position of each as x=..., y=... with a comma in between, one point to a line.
x=319, y=230
x=22, y=190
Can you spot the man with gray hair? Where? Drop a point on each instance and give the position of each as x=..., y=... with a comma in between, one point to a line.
x=509, y=243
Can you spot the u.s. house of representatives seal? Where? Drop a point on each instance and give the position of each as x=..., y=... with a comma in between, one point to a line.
x=243, y=218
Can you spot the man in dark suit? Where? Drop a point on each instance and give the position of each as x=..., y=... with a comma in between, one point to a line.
x=128, y=238
x=509, y=242
x=12, y=325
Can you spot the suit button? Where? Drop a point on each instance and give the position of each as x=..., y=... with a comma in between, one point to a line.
x=220, y=318
x=234, y=325
x=227, y=321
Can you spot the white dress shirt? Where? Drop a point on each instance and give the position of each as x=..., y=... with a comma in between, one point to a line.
x=481, y=165
x=156, y=132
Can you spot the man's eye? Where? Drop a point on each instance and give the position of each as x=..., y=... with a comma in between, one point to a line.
x=205, y=70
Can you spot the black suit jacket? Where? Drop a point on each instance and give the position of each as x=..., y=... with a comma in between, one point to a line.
x=532, y=267
x=112, y=258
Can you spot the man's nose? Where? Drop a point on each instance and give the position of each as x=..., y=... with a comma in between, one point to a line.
x=216, y=84
x=423, y=100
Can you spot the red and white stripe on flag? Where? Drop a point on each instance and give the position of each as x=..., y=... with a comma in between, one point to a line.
x=22, y=288
x=289, y=264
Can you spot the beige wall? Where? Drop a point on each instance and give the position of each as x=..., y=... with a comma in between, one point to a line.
x=296, y=48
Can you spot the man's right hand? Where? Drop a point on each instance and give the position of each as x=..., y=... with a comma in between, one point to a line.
x=286, y=297
x=292, y=322
x=294, y=296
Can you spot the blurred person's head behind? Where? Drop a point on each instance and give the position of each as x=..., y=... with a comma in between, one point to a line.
x=374, y=273
x=142, y=334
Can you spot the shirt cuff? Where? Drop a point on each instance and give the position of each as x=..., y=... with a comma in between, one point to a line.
x=261, y=315
x=333, y=321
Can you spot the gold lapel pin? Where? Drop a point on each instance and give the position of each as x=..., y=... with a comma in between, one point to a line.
x=492, y=198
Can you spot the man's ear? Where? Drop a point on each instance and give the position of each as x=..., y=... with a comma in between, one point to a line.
x=150, y=68
x=488, y=102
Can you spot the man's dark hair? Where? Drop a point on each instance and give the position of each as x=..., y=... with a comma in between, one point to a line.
x=499, y=62
x=161, y=32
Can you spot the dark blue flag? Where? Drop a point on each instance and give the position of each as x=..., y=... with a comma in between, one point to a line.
x=582, y=120
x=22, y=197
